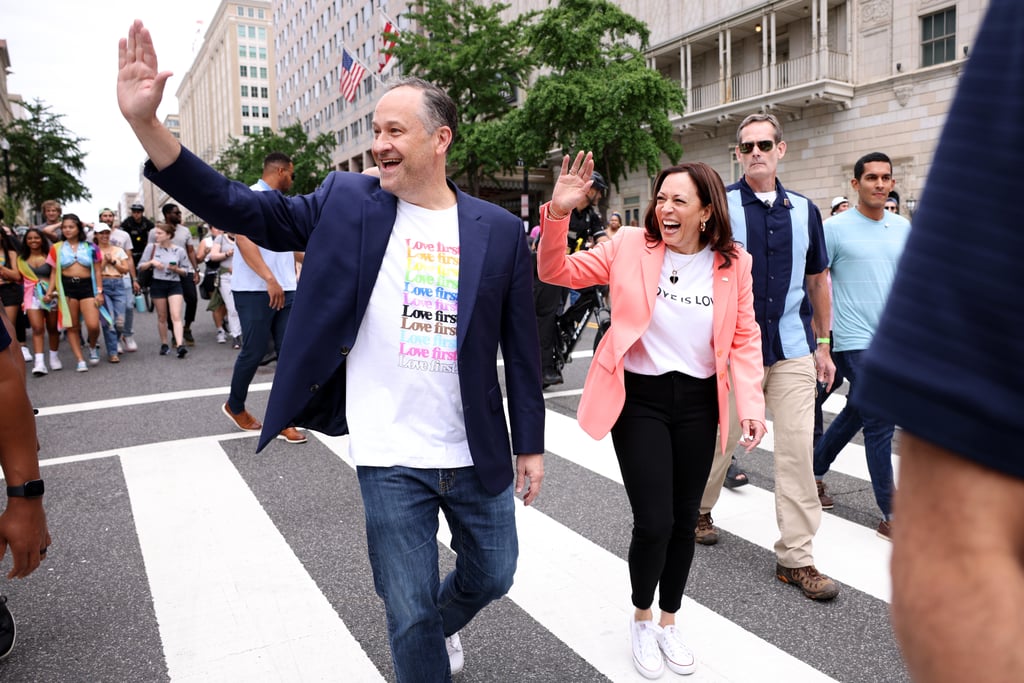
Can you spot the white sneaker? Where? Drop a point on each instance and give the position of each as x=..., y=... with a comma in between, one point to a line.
x=130, y=345
x=678, y=657
x=55, y=363
x=81, y=367
x=26, y=354
x=94, y=355
x=646, y=652
x=221, y=337
x=39, y=369
x=456, y=659
x=120, y=348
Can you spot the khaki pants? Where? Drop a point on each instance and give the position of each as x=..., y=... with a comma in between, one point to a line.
x=789, y=387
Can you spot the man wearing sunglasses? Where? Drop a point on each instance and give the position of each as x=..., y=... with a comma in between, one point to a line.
x=782, y=231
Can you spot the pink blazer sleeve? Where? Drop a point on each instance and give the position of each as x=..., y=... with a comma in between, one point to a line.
x=745, y=357
x=582, y=269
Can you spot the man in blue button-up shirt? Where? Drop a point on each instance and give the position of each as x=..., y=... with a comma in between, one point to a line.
x=782, y=231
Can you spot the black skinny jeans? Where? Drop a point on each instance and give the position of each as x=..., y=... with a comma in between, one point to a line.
x=665, y=441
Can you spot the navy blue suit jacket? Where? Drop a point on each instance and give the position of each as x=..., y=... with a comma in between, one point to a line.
x=344, y=227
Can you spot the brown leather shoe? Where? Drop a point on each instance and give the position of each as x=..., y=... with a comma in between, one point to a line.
x=706, y=533
x=292, y=435
x=813, y=583
x=884, y=529
x=244, y=420
x=826, y=500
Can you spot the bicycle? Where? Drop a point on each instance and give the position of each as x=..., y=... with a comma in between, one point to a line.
x=570, y=323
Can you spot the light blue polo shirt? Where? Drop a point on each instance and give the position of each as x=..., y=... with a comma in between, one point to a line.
x=863, y=255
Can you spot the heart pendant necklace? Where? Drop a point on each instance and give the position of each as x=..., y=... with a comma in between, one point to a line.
x=674, y=277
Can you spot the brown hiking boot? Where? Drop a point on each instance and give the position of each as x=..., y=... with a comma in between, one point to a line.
x=706, y=532
x=813, y=583
x=826, y=500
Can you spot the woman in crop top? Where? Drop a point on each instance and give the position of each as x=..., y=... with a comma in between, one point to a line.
x=166, y=259
x=114, y=265
x=76, y=289
x=10, y=278
x=35, y=278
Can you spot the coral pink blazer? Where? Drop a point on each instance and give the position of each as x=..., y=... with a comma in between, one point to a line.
x=631, y=267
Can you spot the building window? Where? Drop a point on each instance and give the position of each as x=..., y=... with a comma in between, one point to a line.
x=241, y=11
x=259, y=14
x=245, y=110
x=938, y=37
x=243, y=71
x=265, y=93
x=242, y=51
x=252, y=12
x=265, y=112
x=263, y=54
x=252, y=52
x=263, y=73
x=245, y=91
x=241, y=30
x=261, y=33
x=252, y=31
x=246, y=130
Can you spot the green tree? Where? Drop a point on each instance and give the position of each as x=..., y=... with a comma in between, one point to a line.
x=243, y=159
x=598, y=94
x=45, y=159
x=480, y=61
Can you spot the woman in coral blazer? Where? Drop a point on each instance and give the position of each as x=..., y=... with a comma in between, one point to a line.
x=659, y=380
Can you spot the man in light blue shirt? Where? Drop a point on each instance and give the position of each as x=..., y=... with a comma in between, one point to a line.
x=864, y=246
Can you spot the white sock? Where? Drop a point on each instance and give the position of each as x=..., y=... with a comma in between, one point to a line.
x=53, y=354
x=38, y=358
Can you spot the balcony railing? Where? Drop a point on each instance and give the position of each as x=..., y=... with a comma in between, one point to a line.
x=792, y=72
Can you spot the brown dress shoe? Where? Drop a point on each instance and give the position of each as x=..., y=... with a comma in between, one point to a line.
x=813, y=583
x=243, y=420
x=292, y=435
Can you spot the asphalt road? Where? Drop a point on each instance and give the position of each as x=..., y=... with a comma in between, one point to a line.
x=181, y=555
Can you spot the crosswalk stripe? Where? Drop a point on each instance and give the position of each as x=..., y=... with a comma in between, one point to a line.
x=232, y=600
x=579, y=592
x=846, y=551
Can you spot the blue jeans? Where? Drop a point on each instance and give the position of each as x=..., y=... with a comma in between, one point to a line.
x=401, y=506
x=260, y=324
x=877, y=438
x=129, y=310
x=114, y=300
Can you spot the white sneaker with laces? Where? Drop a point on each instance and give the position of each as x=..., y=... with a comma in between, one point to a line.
x=130, y=345
x=678, y=657
x=26, y=354
x=81, y=367
x=55, y=363
x=94, y=355
x=221, y=337
x=39, y=368
x=646, y=653
x=456, y=659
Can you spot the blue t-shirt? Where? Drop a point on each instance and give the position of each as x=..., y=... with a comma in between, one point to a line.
x=946, y=363
x=862, y=254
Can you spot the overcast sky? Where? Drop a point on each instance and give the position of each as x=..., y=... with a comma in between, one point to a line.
x=65, y=54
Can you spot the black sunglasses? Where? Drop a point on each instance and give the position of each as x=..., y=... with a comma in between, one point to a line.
x=763, y=145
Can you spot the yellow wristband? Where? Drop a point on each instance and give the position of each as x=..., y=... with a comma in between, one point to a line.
x=824, y=340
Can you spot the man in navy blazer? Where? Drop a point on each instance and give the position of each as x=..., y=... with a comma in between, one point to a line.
x=408, y=288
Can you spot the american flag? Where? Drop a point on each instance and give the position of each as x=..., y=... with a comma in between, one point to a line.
x=352, y=73
x=387, y=42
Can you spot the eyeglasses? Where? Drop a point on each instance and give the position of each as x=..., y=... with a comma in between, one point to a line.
x=763, y=145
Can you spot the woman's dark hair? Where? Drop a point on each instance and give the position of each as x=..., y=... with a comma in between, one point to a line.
x=82, y=237
x=711, y=192
x=8, y=242
x=24, y=251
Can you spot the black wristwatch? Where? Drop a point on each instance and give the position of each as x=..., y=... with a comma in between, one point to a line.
x=30, y=489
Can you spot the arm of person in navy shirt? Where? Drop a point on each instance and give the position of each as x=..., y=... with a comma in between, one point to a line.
x=821, y=304
x=23, y=523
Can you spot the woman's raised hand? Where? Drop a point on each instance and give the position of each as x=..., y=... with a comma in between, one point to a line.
x=573, y=183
